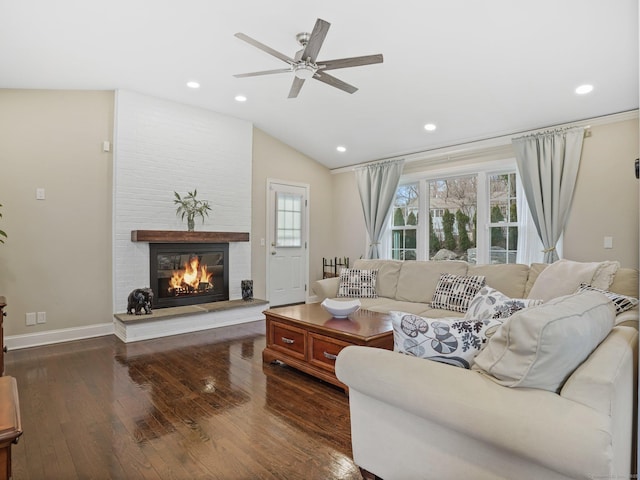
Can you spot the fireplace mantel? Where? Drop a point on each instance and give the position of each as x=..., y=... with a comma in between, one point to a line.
x=174, y=236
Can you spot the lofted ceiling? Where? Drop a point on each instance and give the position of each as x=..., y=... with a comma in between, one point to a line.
x=476, y=69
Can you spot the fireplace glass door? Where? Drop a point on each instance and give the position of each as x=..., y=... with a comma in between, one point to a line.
x=188, y=274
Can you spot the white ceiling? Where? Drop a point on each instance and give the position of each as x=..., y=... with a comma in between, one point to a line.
x=476, y=69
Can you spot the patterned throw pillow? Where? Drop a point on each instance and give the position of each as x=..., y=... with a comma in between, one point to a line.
x=491, y=303
x=621, y=302
x=454, y=341
x=455, y=292
x=358, y=283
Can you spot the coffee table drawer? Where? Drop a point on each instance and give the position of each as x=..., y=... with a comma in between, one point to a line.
x=289, y=339
x=324, y=350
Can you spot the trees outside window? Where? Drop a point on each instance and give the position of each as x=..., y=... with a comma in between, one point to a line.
x=456, y=207
x=404, y=231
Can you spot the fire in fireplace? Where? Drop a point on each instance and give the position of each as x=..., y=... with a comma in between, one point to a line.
x=188, y=274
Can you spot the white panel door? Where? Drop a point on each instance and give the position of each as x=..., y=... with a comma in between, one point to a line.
x=287, y=247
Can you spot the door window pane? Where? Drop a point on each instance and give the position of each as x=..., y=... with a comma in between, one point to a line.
x=288, y=220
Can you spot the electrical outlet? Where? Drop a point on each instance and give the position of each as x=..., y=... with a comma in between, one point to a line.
x=41, y=317
x=31, y=318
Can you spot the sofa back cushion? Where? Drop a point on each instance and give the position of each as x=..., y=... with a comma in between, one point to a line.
x=564, y=276
x=625, y=282
x=510, y=279
x=534, y=270
x=388, y=271
x=540, y=347
x=418, y=279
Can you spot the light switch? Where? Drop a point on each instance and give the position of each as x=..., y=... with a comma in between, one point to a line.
x=608, y=242
x=40, y=194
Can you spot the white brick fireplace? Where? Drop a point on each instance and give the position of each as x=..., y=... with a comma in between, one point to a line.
x=161, y=147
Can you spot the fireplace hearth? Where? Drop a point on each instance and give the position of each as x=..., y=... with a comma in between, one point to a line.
x=188, y=273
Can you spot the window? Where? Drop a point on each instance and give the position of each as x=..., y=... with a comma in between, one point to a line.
x=404, y=230
x=471, y=216
x=452, y=209
x=503, y=221
x=288, y=219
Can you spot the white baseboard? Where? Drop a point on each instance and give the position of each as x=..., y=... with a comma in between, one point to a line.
x=15, y=342
x=312, y=299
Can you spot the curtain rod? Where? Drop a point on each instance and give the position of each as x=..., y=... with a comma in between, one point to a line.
x=495, y=141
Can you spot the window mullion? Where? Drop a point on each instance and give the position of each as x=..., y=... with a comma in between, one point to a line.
x=482, y=225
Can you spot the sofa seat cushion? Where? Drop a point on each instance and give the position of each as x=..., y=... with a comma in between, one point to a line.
x=540, y=347
x=417, y=280
x=387, y=305
x=509, y=278
x=374, y=304
x=452, y=340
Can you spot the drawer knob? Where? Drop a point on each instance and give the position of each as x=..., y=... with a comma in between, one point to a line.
x=330, y=356
x=288, y=340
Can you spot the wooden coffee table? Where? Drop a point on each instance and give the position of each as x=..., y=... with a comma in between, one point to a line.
x=309, y=339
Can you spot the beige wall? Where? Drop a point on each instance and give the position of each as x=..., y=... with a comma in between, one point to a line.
x=275, y=160
x=605, y=201
x=57, y=257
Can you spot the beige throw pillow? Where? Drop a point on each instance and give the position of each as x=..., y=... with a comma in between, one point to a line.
x=565, y=276
x=541, y=347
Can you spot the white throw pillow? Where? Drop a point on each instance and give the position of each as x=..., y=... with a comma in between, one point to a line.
x=357, y=283
x=452, y=340
x=565, y=276
x=541, y=347
x=491, y=303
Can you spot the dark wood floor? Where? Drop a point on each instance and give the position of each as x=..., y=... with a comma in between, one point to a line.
x=191, y=406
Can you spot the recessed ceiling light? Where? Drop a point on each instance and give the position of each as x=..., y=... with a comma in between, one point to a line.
x=193, y=84
x=341, y=149
x=430, y=127
x=583, y=89
x=241, y=98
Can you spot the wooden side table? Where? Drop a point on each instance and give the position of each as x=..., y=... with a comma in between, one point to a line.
x=10, y=423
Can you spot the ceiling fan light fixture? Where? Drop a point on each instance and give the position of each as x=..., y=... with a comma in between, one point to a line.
x=304, y=71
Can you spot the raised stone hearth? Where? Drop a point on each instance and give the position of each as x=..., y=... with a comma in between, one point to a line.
x=191, y=318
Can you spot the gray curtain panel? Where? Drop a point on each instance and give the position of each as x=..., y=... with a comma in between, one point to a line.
x=377, y=184
x=548, y=164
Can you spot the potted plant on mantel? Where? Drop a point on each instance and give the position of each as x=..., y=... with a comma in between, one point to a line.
x=189, y=206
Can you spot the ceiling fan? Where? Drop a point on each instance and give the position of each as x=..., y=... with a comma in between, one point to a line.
x=304, y=64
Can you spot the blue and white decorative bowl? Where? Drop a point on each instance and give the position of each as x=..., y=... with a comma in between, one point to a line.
x=339, y=308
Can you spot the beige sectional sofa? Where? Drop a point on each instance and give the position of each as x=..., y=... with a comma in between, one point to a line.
x=418, y=419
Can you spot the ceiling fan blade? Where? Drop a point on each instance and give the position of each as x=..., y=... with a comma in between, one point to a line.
x=334, y=82
x=295, y=87
x=265, y=48
x=350, y=62
x=316, y=39
x=264, y=72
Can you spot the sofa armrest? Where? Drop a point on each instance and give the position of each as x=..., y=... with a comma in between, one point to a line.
x=534, y=424
x=326, y=288
x=628, y=318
